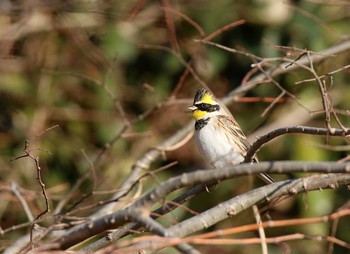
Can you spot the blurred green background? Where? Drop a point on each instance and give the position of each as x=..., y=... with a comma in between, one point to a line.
x=94, y=67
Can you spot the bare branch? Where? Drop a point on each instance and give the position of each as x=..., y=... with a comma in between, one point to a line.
x=288, y=130
x=244, y=201
x=261, y=230
x=323, y=76
x=141, y=217
x=118, y=218
x=23, y=202
x=166, y=208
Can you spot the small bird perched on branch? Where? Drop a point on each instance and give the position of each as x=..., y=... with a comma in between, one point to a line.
x=218, y=136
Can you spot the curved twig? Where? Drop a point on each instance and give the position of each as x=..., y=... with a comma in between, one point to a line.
x=288, y=130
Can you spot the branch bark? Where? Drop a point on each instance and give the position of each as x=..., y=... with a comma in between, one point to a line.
x=118, y=218
x=242, y=202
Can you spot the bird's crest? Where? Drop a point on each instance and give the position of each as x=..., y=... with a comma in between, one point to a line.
x=204, y=96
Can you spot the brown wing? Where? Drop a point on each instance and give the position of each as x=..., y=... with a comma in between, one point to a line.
x=235, y=132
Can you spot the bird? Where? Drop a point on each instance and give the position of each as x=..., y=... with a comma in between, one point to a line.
x=218, y=136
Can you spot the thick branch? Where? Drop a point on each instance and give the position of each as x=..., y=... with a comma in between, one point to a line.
x=81, y=232
x=153, y=226
x=166, y=208
x=242, y=202
x=238, y=204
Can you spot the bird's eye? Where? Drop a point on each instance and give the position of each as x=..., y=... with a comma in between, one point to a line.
x=208, y=107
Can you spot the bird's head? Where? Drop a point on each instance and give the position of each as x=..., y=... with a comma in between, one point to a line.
x=204, y=105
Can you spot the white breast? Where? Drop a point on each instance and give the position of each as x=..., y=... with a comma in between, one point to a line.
x=214, y=146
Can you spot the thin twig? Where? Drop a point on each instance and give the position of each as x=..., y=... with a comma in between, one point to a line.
x=323, y=76
x=92, y=169
x=223, y=29
x=260, y=229
x=27, y=153
x=171, y=26
x=274, y=102
x=23, y=202
x=188, y=19
x=324, y=95
x=288, y=130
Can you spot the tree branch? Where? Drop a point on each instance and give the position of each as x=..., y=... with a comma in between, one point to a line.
x=288, y=130
x=81, y=232
x=244, y=201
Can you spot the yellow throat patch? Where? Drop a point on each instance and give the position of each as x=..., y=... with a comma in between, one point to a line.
x=198, y=114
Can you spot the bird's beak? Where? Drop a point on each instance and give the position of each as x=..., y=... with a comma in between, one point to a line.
x=192, y=108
